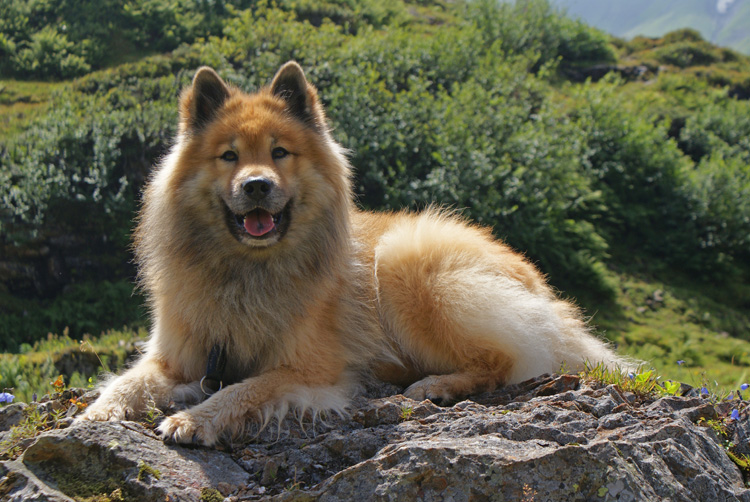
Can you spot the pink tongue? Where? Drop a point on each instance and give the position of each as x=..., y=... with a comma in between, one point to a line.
x=259, y=223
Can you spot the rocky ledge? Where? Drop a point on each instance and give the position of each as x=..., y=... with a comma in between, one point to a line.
x=551, y=438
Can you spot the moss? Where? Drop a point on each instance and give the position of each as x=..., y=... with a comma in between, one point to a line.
x=86, y=490
x=104, y=480
x=144, y=469
x=211, y=495
x=115, y=496
x=742, y=461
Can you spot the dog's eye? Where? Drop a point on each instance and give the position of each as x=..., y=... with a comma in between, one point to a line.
x=279, y=153
x=229, y=156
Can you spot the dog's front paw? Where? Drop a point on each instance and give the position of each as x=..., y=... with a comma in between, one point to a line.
x=187, y=428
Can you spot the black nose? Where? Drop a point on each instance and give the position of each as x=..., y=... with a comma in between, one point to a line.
x=257, y=188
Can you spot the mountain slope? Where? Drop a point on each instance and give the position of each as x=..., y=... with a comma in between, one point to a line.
x=722, y=22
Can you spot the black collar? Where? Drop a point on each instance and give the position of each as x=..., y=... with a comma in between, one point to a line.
x=217, y=361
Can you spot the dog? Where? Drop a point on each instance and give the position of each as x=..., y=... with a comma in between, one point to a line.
x=271, y=292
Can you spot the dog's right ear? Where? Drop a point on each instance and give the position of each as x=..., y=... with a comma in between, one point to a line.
x=200, y=102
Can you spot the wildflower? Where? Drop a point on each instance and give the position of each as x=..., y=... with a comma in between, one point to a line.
x=744, y=386
x=704, y=391
x=735, y=415
x=6, y=397
x=59, y=384
x=730, y=397
x=680, y=362
x=631, y=376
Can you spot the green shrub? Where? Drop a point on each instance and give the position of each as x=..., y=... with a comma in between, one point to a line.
x=535, y=26
x=65, y=39
x=49, y=53
x=642, y=176
x=88, y=308
x=682, y=35
x=721, y=184
x=353, y=15
x=684, y=54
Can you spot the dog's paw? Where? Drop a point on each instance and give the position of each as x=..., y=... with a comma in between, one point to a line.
x=434, y=388
x=103, y=412
x=186, y=428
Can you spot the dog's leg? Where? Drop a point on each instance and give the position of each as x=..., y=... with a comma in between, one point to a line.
x=486, y=373
x=256, y=397
x=129, y=395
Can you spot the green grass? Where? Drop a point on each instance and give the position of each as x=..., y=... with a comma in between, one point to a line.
x=662, y=323
x=81, y=362
x=20, y=101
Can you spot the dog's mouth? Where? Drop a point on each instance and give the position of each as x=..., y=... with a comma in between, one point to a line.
x=259, y=224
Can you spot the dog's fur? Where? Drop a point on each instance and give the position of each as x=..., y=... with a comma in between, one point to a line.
x=329, y=294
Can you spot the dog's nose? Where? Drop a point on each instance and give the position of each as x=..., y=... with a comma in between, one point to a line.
x=257, y=188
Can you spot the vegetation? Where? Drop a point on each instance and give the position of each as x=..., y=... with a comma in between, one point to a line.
x=617, y=187
x=60, y=359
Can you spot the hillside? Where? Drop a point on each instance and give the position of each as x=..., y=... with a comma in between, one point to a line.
x=722, y=22
x=619, y=167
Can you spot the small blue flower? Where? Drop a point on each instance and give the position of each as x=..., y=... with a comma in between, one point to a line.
x=631, y=376
x=680, y=362
x=730, y=397
x=6, y=398
x=744, y=386
x=735, y=415
x=704, y=391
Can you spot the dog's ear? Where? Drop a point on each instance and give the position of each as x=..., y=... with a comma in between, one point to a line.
x=301, y=98
x=200, y=102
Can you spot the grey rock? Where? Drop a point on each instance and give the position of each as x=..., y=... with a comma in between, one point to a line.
x=11, y=415
x=18, y=483
x=92, y=458
x=551, y=438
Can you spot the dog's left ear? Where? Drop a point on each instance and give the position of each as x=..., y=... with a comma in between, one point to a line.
x=301, y=98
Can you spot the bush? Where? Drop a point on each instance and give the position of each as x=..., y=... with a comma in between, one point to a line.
x=50, y=54
x=87, y=308
x=682, y=35
x=686, y=54
x=89, y=151
x=65, y=39
x=717, y=137
x=535, y=26
x=721, y=184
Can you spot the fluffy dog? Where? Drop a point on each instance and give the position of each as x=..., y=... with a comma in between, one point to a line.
x=267, y=283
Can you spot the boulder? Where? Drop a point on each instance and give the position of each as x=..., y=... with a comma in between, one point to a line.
x=551, y=438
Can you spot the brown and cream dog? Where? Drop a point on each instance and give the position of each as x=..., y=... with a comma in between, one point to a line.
x=263, y=275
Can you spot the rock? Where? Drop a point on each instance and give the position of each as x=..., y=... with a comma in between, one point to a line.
x=598, y=71
x=550, y=438
x=11, y=415
x=125, y=458
x=18, y=483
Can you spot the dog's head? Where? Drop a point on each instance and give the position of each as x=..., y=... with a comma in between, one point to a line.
x=259, y=170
